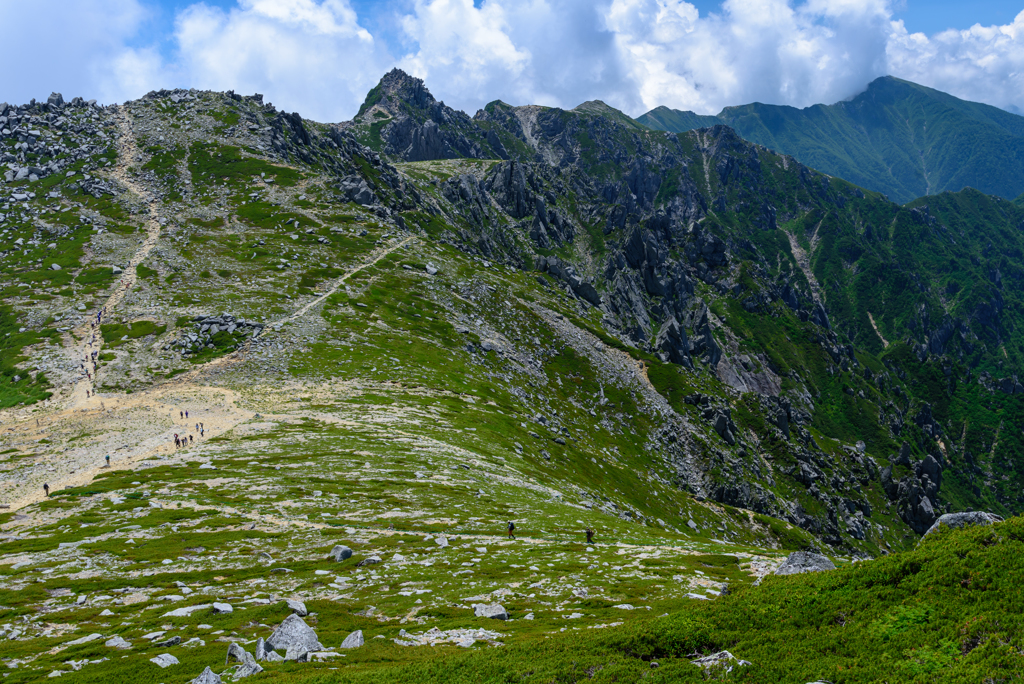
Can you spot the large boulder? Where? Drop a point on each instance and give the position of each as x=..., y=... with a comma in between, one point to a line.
x=804, y=561
x=340, y=553
x=966, y=519
x=297, y=607
x=353, y=640
x=293, y=634
x=493, y=610
x=208, y=676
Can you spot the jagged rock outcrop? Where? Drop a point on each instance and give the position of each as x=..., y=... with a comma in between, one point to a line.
x=416, y=127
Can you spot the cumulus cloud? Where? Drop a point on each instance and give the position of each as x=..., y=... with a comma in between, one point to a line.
x=316, y=57
x=521, y=51
x=982, y=63
x=754, y=50
x=308, y=56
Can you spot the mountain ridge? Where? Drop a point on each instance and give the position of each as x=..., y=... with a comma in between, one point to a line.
x=896, y=137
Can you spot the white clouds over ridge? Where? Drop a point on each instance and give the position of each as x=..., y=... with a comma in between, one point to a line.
x=317, y=57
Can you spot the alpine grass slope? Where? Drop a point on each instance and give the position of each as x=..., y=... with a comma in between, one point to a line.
x=397, y=334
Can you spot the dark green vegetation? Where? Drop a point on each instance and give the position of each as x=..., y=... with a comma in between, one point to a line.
x=19, y=386
x=896, y=137
x=948, y=611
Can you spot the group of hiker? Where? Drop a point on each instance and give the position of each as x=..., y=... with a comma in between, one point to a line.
x=185, y=440
x=512, y=532
x=90, y=363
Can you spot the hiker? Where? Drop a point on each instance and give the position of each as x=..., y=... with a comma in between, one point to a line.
x=108, y=460
x=181, y=415
x=202, y=432
x=511, y=530
x=197, y=427
x=590, y=536
x=46, y=489
x=186, y=414
x=86, y=394
x=177, y=442
x=190, y=439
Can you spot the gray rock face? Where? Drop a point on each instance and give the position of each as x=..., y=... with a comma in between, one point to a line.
x=353, y=640
x=208, y=676
x=356, y=190
x=222, y=608
x=966, y=519
x=494, y=610
x=672, y=343
x=804, y=561
x=293, y=632
x=297, y=607
x=340, y=553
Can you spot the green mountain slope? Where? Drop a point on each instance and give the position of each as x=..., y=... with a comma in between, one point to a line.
x=897, y=137
x=703, y=351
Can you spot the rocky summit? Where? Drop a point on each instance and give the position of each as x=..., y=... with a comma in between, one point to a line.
x=533, y=394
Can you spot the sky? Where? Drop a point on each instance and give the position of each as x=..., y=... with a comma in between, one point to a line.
x=320, y=57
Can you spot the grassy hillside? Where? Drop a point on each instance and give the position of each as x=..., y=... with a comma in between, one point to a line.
x=704, y=352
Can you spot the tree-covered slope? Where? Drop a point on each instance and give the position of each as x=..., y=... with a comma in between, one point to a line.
x=897, y=137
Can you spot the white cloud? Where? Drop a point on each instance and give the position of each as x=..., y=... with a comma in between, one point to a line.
x=754, y=50
x=307, y=56
x=64, y=46
x=315, y=56
x=982, y=63
x=523, y=52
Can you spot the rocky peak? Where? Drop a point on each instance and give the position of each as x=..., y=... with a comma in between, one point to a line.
x=396, y=94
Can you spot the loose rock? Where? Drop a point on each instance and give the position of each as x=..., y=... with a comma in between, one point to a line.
x=722, y=659
x=208, y=676
x=804, y=561
x=293, y=632
x=297, y=607
x=340, y=553
x=164, y=660
x=494, y=610
x=117, y=642
x=353, y=640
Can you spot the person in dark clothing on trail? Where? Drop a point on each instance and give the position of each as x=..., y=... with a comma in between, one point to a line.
x=511, y=530
x=190, y=439
x=590, y=536
x=46, y=489
x=108, y=460
x=181, y=414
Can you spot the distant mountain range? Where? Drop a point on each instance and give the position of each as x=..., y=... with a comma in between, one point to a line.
x=896, y=137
